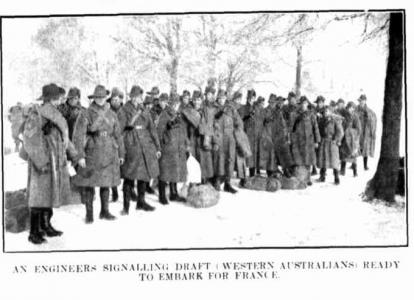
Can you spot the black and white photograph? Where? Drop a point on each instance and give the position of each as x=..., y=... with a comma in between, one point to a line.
x=204, y=130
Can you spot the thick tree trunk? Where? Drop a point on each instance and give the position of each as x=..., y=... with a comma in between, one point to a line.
x=173, y=77
x=383, y=185
x=299, y=59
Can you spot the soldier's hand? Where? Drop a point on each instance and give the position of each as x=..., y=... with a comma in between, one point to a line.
x=82, y=163
x=121, y=161
x=158, y=154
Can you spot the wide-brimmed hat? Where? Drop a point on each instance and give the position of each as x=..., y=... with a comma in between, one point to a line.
x=221, y=93
x=196, y=94
x=49, y=91
x=99, y=92
x=291, y=95
x=340, y=100
x=136, y=90
x=148, y=99
x=116, y=92
x=272, y=98
x=163, y=97
x=210, y=89
x=237, y=95
x=73, y=93
x=332, y=103
x=363, y=97
x=155, y=91
x=186, y=93
x=350, y=104
x=303, y=99
x=320, y=99
x=62, y=91
x=260, y=99
x=251, y=93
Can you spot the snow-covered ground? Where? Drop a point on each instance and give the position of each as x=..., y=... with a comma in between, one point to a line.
x=321, y=215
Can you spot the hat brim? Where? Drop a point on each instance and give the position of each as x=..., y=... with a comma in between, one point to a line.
x=99, y=96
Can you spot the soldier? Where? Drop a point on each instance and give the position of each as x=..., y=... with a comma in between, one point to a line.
x=174, y=145
x=331, y=136
x=97, y=137
x=156, y=108
x=116, y=101
x=290, y=110
x=350, y=143
x=226, y=120
x=62, y=93
x=368, y=121
x=305, y=136
x=71, y=109
x=340, y=107
x=46, y=142
x=142, y=149
x=252, y=114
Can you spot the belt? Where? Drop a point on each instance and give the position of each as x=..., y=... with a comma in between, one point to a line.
x=99, y=133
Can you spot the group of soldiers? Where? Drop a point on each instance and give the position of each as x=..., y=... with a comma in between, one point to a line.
x=149, y=138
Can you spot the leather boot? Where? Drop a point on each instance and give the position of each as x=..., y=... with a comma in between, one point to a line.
x=366, y=163
x=141, y=204
x=322, y=177
x=314, y=171
x=149, y=189
x=336, y=175
x=174, y=193
x=127, y=191
x=228, y=188
x=115, y=195
x=35, y=235
x=105, y=214
x=87, y=198
x=45, y=225
x=269, y=173
x=217, y=183
x=252, y=172
x=161, y=193
x=242, y=182
x=343, y=168
x=354, y=169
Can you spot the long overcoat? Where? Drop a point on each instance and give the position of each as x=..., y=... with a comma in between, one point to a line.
x=274, y=146
x=331, y=137
x=224, y=159
x=46, y=142
x=196, y=129
x=174, y=143
x=305, y=134
x=253, y=117
x=349, y=149
x=141, y=143
x=97, y=137
x=71, y=114
x=367, y=138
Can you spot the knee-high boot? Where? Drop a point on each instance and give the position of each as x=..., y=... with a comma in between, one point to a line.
x=87, y=194
x=366, y=163
x=161, y=192
x=141, y=204
x=35, y=236
x=343, y=168
x=45, y=225
x=354, y=169
x=337, y=181
x=127, y=191
x=322, y=175
x=105, y=214
x=174, y=193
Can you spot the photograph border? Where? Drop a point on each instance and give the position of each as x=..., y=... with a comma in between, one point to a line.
x=403, y=11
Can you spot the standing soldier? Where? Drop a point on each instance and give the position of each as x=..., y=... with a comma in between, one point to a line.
x=174, y=145
x=226, y=120
x=156, y=108
x=142, y=149
x=252, y=115
x=72, y=108
x=319, y=112
x=46, y=142
x=331, y=136
x=97, y=137
x=290, y=110
x=350, y=144
x=115, y=102
x=305, y=136
x=368, y=122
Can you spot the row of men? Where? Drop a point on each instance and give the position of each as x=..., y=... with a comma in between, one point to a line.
x=150, y=138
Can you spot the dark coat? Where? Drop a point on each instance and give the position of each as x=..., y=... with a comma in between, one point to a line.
x=224, y=159
x=289, y=114
x=274, y=146
x=349, y=149
x=331, y=136
x=368, y=121
x=141, y=143
x=71, y=114
x=253, y=117
x=46, y=142
x=174, y=144
x=97, y=137
x=305, y=134
x=195, y=120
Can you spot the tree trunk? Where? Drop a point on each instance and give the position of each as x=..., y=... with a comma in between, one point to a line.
x=173, y=77
x=383, y=185
x=299, y=59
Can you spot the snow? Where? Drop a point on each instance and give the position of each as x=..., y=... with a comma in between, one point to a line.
x=321, y=215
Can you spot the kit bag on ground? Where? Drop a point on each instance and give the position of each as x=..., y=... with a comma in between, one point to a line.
x=16, y=211
x=292, y=183
x=260, y=183
x=202, y=196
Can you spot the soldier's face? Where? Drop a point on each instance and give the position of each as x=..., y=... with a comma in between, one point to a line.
x=55, y=101
x=320, y=104
x=362, y=102
x=137, y=99
x=73, y=101
x=351, y=109
x=210, y=97
x=222, y=100
x=163, y=104
x=292, y=100
x=304, y=105
x=197, y=103
x=116, y=102
x=341, y=105
x=100, y=101
x=186, y=100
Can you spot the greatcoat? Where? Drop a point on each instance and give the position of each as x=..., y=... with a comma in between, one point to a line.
x=331, y=136
x=368, y=122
